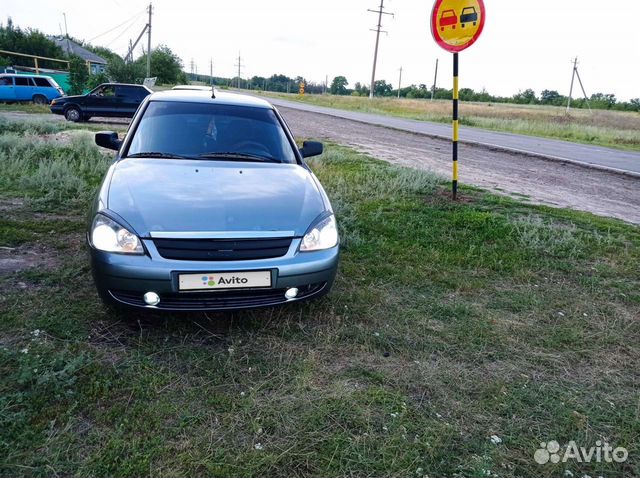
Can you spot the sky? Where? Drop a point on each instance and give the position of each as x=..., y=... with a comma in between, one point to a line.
x=525, y=44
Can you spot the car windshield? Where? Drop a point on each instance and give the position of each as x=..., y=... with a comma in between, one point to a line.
x=211, y=131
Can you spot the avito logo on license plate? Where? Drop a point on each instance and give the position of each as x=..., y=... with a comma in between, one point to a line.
x=224, y=280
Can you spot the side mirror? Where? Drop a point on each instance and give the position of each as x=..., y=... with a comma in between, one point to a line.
x=108, y=139
x=311, y=148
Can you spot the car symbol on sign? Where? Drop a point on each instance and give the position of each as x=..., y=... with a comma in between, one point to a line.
x=448, y=18
x=468, y=15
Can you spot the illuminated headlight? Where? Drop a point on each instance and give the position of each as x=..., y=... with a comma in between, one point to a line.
x=109, y=236
x=323, y=235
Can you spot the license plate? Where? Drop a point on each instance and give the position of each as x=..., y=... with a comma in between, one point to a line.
x=224, y=280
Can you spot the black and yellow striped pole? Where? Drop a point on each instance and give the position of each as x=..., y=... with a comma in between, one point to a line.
x=469, y=16
x=456, y=129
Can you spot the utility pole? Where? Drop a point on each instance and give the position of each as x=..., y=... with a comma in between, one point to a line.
x=399, y=82
x=66, y=33
x=239, y=65
x=149, y=42
x=378, y=29
x=211, y=71
x=435, y=80
x=575, y=74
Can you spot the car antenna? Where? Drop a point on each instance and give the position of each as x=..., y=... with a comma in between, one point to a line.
x=213, y=92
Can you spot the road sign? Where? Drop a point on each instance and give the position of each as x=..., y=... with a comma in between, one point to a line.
x=457, y=24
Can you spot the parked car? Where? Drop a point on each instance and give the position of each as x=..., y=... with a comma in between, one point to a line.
x=37, y=88
x=113, y=100
x=210, y=205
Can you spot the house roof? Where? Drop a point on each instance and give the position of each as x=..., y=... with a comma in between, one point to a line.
x=72, y=48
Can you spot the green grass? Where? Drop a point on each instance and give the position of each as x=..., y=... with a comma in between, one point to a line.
x=25, y=108
x=613, y=129
x=449, y=323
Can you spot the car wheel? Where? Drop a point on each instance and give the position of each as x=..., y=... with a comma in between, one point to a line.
x=40, y=100
x=73, y=114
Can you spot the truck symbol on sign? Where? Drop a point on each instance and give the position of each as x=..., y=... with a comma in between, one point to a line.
x=468, y=15
x=448, y=18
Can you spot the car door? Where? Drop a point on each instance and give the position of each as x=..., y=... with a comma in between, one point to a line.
x=129, y=98
x=7, y=90
x=45, y=88
x=101, y=102
x=24, y=87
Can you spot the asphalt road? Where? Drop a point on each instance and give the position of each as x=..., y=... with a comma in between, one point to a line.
x=594, y=156
x=525, y=177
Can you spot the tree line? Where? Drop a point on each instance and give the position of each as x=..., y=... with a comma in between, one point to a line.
x=168, y=68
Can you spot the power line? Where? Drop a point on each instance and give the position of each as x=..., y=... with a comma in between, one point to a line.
x=122, y=33
x=117, y=26
x=378, y=29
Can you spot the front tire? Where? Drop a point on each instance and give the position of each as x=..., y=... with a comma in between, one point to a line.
x=73, y=113
x=40, y=100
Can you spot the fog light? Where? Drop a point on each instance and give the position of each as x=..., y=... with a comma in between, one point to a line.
x=151, y=298
x=291, y=293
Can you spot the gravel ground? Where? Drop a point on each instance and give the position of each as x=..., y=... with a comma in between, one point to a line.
x=541, y=181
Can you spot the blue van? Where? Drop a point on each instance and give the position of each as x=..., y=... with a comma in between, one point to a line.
x=37, y=88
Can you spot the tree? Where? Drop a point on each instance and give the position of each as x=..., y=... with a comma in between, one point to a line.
x=95, y=80
x=78, y=75
x=550, y=97
x=526, y=97
x=165, y=65
x=602, y=100
x=30, y=42
x=339, y=86
x=360, y=90
x=123, y=72
x=382, y=88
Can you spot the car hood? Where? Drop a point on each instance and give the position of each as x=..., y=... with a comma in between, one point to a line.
x=70, y=98
x=155, y=195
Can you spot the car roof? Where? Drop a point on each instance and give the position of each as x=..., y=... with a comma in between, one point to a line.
x=29, y=75
x=198, y=96
x=122, y=84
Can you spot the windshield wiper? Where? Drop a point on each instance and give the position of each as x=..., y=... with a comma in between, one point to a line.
x=159, y=154
x=239, y=157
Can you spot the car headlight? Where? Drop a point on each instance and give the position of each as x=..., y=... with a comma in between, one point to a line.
x=323, y=235
x=109, y=236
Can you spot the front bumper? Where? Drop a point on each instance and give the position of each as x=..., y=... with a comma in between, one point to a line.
x=123, y=279
x=57, y=109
